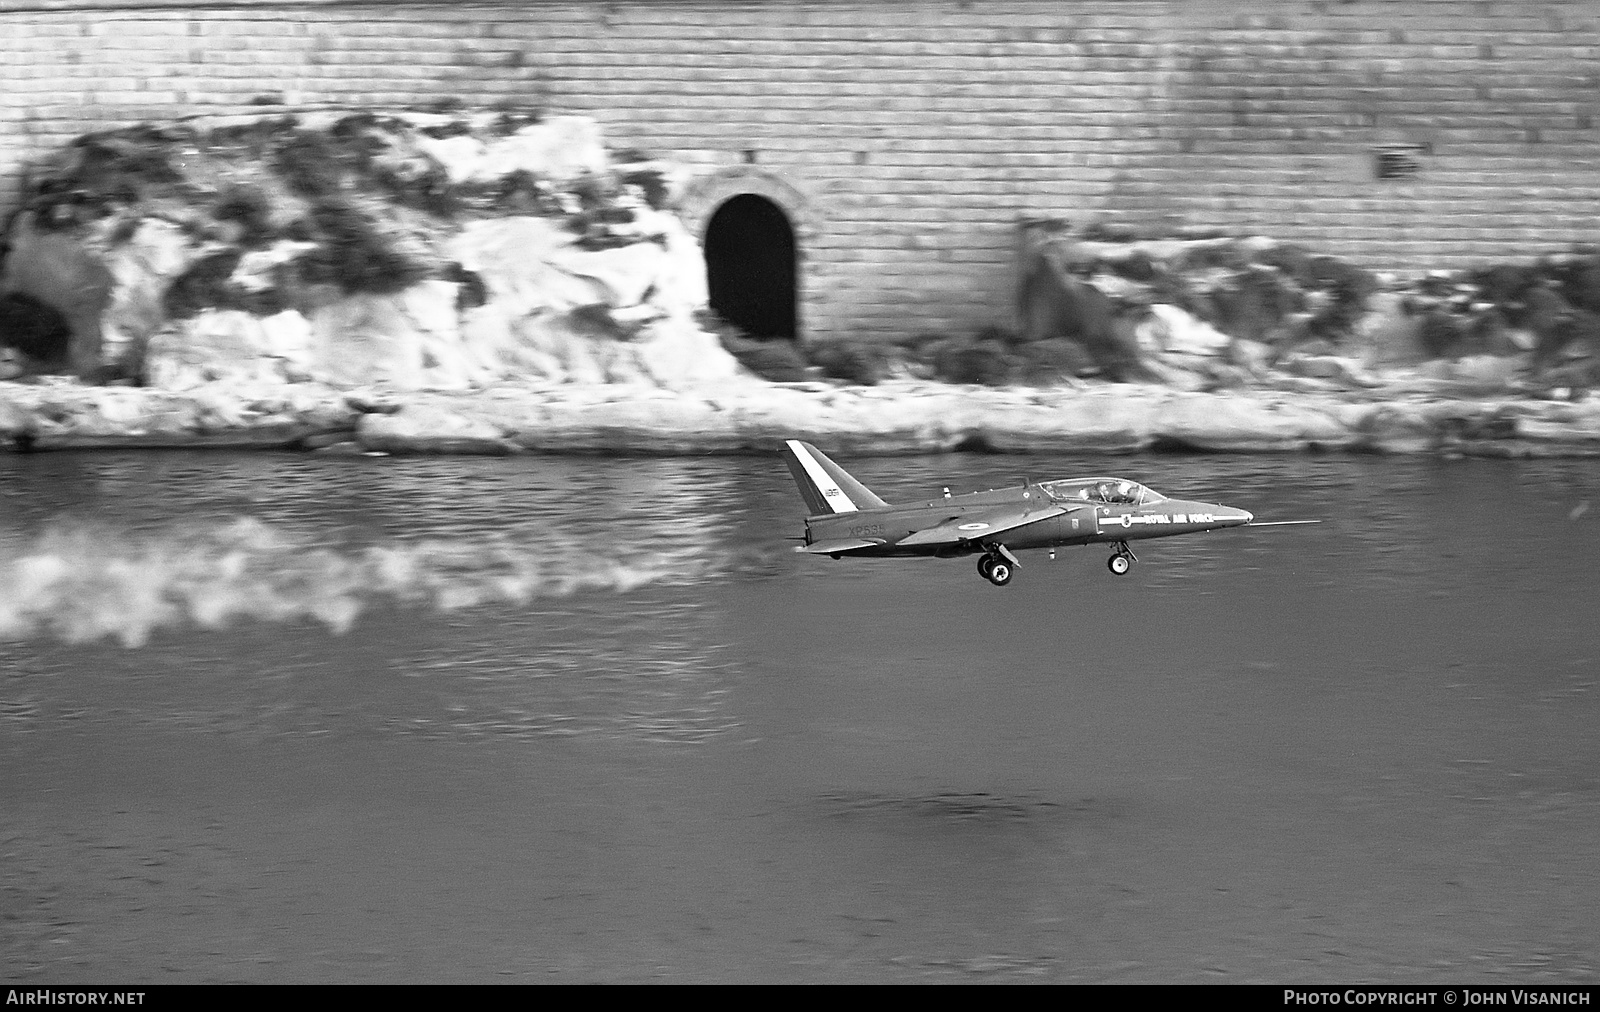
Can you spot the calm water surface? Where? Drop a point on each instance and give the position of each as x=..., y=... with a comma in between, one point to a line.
x=286, y=718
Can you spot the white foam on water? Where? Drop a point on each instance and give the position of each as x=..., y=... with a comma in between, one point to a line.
x=81, y=585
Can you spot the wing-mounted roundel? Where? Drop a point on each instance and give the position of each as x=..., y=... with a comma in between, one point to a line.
x=1001, y=519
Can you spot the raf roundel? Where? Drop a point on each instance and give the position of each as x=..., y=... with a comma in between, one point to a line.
x=973, y=527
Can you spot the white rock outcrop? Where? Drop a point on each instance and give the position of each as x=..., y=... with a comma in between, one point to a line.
x=410, y=250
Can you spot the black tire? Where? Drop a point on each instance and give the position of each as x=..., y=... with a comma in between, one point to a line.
x=999, y=572
x=983, y=565
x=1119, y=564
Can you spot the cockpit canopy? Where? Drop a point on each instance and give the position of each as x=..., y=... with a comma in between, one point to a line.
x=1117, y=491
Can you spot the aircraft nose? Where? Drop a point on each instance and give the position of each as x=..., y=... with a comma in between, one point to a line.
x=1227, y=516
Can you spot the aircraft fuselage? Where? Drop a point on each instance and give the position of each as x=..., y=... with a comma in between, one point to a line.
x=1064, y=521
x=849, y=520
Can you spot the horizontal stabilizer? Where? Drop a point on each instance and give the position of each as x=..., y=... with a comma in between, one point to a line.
x=981, y=524
x=836, y=547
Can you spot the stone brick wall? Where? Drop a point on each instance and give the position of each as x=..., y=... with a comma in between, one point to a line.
x=906, y=138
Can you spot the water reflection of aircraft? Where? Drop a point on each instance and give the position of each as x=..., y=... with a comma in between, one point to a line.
x=849, y=520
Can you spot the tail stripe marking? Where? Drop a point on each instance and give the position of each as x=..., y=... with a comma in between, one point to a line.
x=835, y=497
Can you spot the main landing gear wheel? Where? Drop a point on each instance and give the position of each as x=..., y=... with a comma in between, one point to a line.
x=984, y=562
x=1122, y=560
x=998, y=572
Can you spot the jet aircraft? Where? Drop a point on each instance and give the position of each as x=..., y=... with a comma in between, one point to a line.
x=847, y=519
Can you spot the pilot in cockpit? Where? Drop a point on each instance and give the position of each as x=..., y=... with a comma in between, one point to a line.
x=1117, y=492
x=1105, y=491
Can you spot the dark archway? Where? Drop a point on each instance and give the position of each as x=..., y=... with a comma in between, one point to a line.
x=750, y=266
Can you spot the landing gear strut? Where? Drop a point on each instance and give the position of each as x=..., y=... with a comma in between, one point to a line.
x=1122, y=559
x=995, y=568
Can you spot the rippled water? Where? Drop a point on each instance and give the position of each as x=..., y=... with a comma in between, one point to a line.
x=280, y=717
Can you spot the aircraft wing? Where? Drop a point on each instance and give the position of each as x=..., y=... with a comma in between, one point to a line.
x=838, y=546
x=983, y=523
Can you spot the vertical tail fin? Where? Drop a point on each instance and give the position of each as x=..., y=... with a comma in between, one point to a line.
x=825, y=486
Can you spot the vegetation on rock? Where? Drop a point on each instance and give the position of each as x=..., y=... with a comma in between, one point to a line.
x=179, y=225
x=1289, y=303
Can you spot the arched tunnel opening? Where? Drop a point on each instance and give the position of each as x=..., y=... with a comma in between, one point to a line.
x=750, y=267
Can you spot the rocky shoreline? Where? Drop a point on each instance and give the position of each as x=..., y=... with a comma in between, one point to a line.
x=752, y=416
x=493, y=282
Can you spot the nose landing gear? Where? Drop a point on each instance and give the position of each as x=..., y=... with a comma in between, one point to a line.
x=1122, y=559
